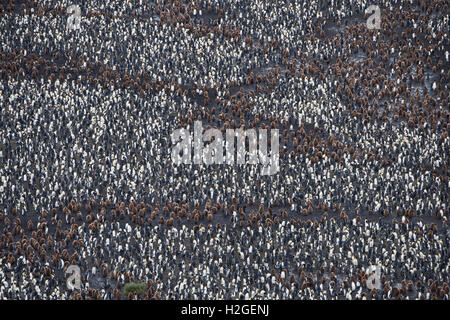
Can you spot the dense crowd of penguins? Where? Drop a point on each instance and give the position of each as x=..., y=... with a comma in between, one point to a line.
x=86, y=176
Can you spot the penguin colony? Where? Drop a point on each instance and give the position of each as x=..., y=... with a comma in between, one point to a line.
x=86, y=176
